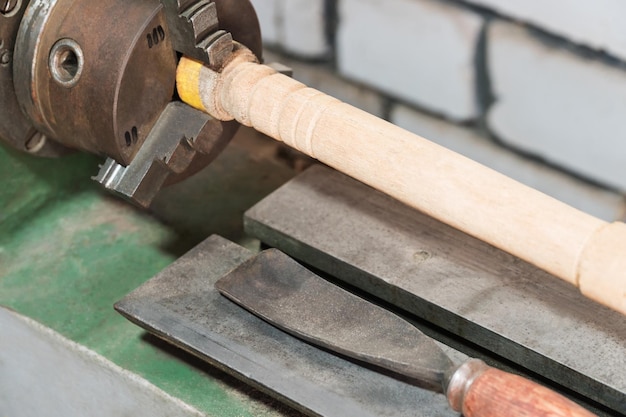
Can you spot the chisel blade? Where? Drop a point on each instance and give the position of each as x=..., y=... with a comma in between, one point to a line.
x=279, y=290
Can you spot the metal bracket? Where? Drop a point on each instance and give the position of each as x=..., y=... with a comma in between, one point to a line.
x=166, y=150
x=195, y=31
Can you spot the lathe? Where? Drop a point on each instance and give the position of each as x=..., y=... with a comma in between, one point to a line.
x=158, y=90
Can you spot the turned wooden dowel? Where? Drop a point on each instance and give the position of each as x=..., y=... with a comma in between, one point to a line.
x=579, y=248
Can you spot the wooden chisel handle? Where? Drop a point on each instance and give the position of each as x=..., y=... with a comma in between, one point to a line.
x=478, y=390
x=579, y=248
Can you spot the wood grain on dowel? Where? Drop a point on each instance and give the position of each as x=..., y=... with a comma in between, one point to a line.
x=577, y=247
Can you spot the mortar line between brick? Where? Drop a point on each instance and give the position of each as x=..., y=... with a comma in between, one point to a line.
x=543, y=35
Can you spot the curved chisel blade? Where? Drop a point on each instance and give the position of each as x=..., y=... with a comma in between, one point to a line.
x=292, y=298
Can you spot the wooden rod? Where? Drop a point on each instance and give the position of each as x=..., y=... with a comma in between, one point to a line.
x=577, y=247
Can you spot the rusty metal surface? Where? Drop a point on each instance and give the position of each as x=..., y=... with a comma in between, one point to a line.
x=102, y=90
x=204, y=29
x=181, y=306
x=195, y=31
x=286, y=294
x=98, y=76
x=121, y=84
x=456, y=282
x=15, y=129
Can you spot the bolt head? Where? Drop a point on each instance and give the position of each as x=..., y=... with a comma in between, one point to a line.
x=5, y=57
x=7, y=6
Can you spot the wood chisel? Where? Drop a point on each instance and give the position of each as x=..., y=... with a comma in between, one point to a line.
x=287, y=295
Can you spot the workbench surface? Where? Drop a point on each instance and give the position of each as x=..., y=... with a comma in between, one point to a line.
x=69, y=251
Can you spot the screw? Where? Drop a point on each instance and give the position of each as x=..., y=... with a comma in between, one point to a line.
x=66, y=62
x=7, y=6
x=5, y=57
x=36, y=142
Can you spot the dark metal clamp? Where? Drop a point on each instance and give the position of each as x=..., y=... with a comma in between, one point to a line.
x=100, y=77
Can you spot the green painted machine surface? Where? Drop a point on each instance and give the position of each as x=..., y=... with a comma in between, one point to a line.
x=69, y=251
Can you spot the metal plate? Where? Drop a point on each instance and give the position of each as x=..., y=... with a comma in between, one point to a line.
x=181, y=306
x=461, y=284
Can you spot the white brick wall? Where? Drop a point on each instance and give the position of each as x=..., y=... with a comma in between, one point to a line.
x=303, y=28
x=297, y=26
x=269, y=14
x=550, y=101
x=553, y=103
x=421, y=51
x=603, y=204
x=595, y=23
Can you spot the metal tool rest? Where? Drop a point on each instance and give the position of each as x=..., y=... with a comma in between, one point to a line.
x=483, y=295
x=471, y=296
